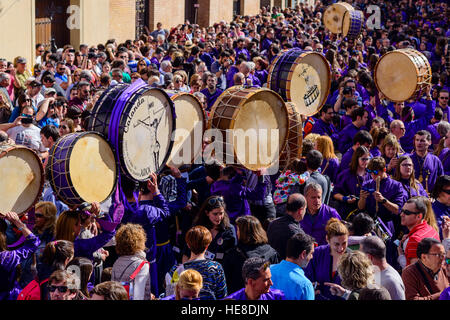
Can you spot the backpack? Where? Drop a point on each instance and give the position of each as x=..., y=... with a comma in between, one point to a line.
x=32, y=291
x=129, y=285
x=171, y=281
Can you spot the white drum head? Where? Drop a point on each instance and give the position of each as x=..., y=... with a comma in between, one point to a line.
x=334, y=15
x=21, y=180
x=147, y=133
x=92, y=168
x=190, y=124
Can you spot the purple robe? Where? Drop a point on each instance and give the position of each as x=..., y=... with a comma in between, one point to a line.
x=391, y=190
x=427, y=170
x=273, y=294
x=345, y=120
x=314, y=225
x=262, y=76
x=325, y=129
x=348, y=184
x=435, y=136
x=440, y=210
x=211, y=97
x=346, y=137
x=411, y=191
x=375, y=152
x=346, y=159
x=445, y=160
x=330, y=168
x=319, y=270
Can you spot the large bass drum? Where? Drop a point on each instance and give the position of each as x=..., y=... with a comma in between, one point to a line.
x=22, y=178
x=301, y=77
x=402, y=74
x=333, y=17
x=82, y=168
x=190, y=124
x=353, y=23
x=138, y=121
x=253, y=123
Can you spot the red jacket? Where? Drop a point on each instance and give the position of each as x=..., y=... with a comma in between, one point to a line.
x=419, y=232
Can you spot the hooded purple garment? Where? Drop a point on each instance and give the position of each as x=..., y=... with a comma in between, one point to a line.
x=236, y=195
x=314, y=225
x=319, y=270
x=273, y=294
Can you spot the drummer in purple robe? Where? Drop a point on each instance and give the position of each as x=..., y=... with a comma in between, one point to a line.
x=317, y=214
x=385, y=201
x=211, y=91
x=441, y=205
x=404, y=173
x=323, y=266
x=362, y=138
x=427, y=166
x=324, y=125
x=359, y=120
x=349, y=182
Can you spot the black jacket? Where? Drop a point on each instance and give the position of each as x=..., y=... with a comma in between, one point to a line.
x=234, y=260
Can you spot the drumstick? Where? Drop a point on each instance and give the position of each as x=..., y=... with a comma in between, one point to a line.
x=378, y=190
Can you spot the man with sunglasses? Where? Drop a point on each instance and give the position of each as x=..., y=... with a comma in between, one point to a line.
x=443, y=99
x=63, y=285
x=83, y=98
x=412, y=216
x=63, y=75
x=389, y=198
x=426, y=278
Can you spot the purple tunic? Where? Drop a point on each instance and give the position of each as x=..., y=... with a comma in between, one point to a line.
x=411, y=191
x=430, y=167
x=445, y=160
x=435, y=136
x=325, y=129
x=330, y=168
x=391, y=190
x=319, y=270
x=236, y=195
x=346, y=159
x=346, y=137
x=211, y=98
x=440, y=210
x=273, y=294
x=375, y=152
x=314, y=225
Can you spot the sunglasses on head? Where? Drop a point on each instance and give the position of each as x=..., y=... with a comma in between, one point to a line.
x=62, y=289
x=215, y=200
x=408, y=213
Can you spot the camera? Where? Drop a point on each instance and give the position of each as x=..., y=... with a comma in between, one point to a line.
x=27, y=120
x=347, y=90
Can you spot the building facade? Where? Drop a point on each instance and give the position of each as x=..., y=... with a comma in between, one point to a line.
x=92, y=22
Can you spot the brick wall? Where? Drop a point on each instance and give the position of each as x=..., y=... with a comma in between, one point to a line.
x=250, y=7
x=122, y=20
x=169, y=12
x=212, y=11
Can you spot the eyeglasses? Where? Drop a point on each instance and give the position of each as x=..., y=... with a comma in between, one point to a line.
x=215, y=200
x=445, y=98
x=64, y=127
x=62, y=289
x=38, y=215
x=446, y=191
x=440, y=255
x=365, y=159
x=406, y=165
x=408, y=213
x=372, y=171
x=26, y=115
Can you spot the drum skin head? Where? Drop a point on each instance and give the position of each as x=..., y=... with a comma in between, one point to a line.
x=310, y=83
x=190, y=124
x=334, y=15
x=92, y=168
x=22, y=180
x=146, y=142
x=252, y=110
x=396, y=74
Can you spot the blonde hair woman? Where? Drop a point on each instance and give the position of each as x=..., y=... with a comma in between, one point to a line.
x=130, y=246
x=188, y=286
x=330, y=164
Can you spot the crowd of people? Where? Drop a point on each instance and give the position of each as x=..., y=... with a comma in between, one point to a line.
x=363, y=214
